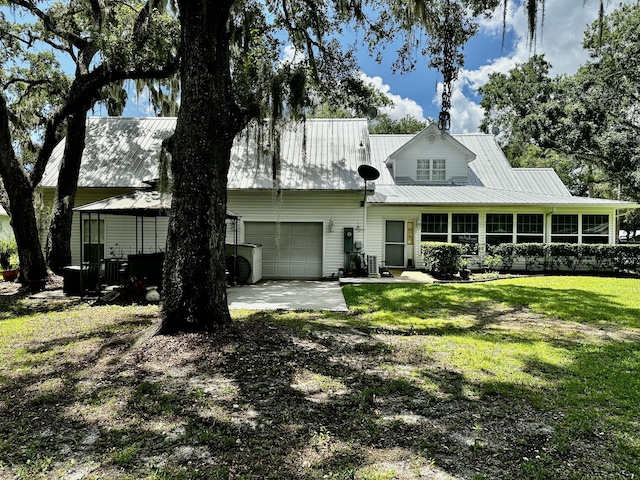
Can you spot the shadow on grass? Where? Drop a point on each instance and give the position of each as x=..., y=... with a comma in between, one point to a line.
x=273, y=397
x=570, y=304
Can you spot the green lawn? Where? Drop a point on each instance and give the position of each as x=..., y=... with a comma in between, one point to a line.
x=532, y=378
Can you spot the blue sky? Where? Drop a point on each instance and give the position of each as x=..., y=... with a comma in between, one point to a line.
x=417, y=93
x=560, y=40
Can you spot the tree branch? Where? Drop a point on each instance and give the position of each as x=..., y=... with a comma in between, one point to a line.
x=83, y=90
x=49, y=24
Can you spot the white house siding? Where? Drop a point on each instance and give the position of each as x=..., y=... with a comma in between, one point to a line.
x=377, y=215
x=120, y=235
x=335, y=210
x=406, y=161
x=83, y=196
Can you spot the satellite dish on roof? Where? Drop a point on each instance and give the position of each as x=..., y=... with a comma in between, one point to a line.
x=495, y=131
x=372, y=113
x=367, y=172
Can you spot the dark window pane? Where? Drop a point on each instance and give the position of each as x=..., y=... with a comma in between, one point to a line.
x=564, y=224
x=464, y=223
x=529, y=238
x=498, y=239
x=499, y=223
x=434, y=238
x=564, y=238
x=595, y=239
x=595, y=224
x=435, y=222
x=530, y=223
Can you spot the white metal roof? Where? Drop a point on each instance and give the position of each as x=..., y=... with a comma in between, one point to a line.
x=3, y=212
x=477, y=195
x=123, y=152
x=119, y=152
x=319, y=154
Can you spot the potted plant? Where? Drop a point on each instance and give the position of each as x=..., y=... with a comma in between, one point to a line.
x=465, y=273
x=9, y=259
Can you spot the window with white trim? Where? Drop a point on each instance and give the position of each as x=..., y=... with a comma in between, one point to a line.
x=431, y=170
x=499, y=228
x=434, y=227
x=530, y=228
x=464, y=230
x=564, y=228
x=595, y=228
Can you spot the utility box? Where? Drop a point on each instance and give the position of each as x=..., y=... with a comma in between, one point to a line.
x=348, y=239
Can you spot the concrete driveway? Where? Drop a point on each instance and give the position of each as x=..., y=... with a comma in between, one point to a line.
x=288, y=295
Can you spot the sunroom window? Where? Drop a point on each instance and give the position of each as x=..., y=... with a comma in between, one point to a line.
x=499, y=228
x=530, y=228
x=595, y=228
x=464, y=229
x=564, y=228
x=435, y=227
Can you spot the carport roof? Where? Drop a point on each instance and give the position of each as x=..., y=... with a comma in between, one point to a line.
x=142, y=203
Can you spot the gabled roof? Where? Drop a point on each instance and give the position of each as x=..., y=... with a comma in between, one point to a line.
x=490, y=168
x=320, y=154
x=433, y=129
x=3, y=212
x=119, y=152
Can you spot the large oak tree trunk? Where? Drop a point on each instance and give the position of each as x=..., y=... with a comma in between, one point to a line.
x=20, y=195
x=195, y=297
x=58, y=239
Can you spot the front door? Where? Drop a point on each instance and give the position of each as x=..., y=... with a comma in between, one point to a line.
x=394, y=243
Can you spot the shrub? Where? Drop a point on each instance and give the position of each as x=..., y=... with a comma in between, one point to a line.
x=440, y=258
x=8, y=253
x=505, y=252
x=492, y=262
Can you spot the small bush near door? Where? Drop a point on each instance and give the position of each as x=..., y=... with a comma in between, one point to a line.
x=441, y=259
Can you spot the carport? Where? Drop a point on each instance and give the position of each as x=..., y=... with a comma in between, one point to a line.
x=140, y=204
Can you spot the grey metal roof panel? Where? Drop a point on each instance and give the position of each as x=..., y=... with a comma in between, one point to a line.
x=119, y=152
x=137, y=203
x=542, y=180
x=319, y=154
x=140, y=202
x=475, y=195
x=492, y=169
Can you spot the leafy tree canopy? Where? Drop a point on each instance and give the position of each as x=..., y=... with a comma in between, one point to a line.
x=590, y=119
x=383, y=123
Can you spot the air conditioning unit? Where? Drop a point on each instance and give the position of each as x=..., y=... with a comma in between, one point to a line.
x=372, y=265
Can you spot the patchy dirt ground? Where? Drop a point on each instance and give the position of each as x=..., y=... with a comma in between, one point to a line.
x=273, y=397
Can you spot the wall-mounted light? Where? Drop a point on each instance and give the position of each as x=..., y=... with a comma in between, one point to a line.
x=330, y=225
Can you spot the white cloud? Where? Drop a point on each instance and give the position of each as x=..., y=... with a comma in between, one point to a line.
x=291, y=55
x=401, y=106
x=559, y=38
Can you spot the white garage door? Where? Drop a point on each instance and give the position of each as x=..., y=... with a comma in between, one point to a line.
x=289, y=250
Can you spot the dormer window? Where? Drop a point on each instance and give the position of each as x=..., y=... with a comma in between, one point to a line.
x=431, y=170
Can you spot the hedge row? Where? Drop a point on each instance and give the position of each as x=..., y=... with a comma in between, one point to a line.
x=439, y=259
x=569, y=256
